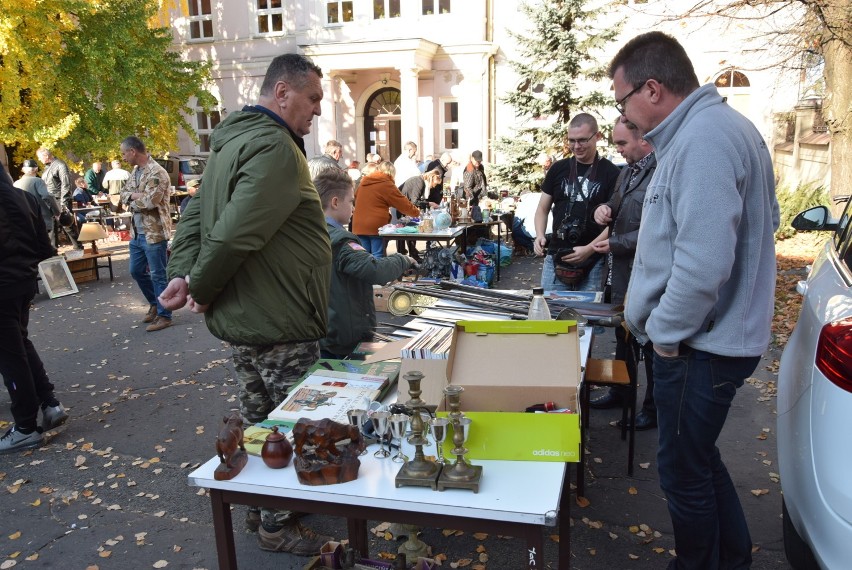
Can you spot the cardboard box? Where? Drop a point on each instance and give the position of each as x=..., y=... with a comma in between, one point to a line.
x=507, y=366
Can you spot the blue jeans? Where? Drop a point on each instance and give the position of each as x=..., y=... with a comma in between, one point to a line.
x=592, y=281
x=373, y=244
x=148, y=268
x=693, y=393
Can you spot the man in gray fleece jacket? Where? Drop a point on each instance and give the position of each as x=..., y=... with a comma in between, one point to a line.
x=702, y=288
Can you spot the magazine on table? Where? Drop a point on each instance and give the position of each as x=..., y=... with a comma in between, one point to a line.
x=319, y=401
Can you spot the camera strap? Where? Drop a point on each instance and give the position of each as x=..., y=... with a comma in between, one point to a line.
x=577, y=185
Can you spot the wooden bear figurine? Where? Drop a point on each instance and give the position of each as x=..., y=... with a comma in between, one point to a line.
x=230, y=448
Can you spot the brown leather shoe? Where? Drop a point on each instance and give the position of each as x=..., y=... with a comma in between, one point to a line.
x=159, y=324
x=293, y=538
x=151, y=314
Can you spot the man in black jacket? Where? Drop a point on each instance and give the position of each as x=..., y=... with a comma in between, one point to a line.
x=23, y=244
x=622, y=213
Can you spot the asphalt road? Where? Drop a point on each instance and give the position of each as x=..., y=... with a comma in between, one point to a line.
x=110, y=489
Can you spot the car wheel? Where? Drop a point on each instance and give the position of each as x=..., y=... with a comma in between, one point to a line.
x=798, y=553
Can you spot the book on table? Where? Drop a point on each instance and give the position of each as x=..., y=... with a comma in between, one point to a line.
x=329, y=394
x=254, y=436
x=387, y=368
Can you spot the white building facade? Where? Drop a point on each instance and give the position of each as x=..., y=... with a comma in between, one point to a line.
x=429, y=71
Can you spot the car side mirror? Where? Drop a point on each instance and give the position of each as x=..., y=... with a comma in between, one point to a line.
x=813, y=219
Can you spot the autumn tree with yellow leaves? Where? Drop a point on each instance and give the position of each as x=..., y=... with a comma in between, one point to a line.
x=79, y=75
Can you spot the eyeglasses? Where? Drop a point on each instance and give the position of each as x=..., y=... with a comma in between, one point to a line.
x=584, y=141
x=619, y=105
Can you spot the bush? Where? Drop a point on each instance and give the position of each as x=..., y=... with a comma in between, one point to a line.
x=791, y=202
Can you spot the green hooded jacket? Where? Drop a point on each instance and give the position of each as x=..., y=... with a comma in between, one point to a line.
x=352, y=311
x=253, y=241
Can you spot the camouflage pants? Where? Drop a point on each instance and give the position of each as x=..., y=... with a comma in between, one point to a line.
x=265, y=374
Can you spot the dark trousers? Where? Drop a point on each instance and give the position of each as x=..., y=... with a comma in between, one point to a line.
x=411, y=250
x=21, y=367
x=693, y=392
x=629, y=350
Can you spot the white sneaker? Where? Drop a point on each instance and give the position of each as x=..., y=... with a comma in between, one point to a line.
x=14, y=440
x=53, y=417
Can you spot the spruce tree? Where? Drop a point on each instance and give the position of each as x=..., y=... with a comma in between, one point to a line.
x=557, y=54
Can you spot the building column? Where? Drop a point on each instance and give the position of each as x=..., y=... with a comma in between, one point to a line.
x=409, y=87
x=473, y=134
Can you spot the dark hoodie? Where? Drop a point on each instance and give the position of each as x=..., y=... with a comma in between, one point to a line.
x=23, y=240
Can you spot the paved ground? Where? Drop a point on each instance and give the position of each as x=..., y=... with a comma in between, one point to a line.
x=110, y=489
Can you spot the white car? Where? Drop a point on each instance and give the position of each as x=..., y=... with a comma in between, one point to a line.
x=815, y=406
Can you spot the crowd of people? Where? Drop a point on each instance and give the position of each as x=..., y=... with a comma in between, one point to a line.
x=684, y=242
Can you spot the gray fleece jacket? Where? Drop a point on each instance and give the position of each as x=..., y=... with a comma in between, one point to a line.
x=704, y=272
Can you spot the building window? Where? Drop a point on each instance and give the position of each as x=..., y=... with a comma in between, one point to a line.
x=732, y=78
x=200, y=20
x=204, y=127
x=339, y=12
x=436, y=7
x=449, y=124
x=270, y=17
x=385, y=9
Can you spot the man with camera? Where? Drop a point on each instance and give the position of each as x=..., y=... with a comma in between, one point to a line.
x=574, y=187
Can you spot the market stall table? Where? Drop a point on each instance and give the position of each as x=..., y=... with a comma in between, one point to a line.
x=449, y=235
x=498, y=507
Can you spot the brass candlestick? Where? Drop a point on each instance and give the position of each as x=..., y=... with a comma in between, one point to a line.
x=461, y=475
x=414, y=378
x=419, y=471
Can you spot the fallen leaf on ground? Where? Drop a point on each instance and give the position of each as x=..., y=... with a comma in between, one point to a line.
x=759, y=492
x=633, y=491
x=582, y=502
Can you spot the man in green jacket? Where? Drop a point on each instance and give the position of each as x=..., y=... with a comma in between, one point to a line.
x=252, y=253
x=351, y=310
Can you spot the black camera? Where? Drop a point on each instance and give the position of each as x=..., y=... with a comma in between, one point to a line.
x=571, y=231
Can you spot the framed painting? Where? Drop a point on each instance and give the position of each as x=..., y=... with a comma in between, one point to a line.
x=56, y=277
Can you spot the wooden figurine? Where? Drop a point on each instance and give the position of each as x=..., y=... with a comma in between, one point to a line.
x=230, y=448
x=319, y=461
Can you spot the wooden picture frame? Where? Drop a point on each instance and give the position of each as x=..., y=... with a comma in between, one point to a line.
x=57, y=278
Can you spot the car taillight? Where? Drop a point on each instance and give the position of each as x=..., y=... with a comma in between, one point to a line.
x=834, y=353
x=180, y=179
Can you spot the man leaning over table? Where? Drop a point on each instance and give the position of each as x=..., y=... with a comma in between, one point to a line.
x=253, y=254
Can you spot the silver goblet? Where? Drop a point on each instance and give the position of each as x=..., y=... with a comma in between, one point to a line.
x=357, y=417
x=380, y=425
x=438, y=429
x=398, y=425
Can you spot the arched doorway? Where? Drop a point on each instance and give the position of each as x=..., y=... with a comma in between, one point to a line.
x=382, y=124
x=736, y=87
